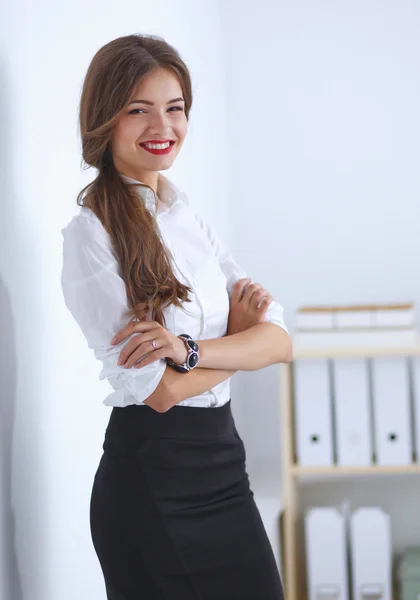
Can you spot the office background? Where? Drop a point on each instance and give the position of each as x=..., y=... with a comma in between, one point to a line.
x=303, y=152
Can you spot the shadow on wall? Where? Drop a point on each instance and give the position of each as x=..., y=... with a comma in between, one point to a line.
x=10, y=582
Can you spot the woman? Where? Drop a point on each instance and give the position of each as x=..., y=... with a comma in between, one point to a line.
x=172, y=513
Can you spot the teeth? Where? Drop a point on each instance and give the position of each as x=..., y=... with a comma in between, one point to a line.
x=158, y=146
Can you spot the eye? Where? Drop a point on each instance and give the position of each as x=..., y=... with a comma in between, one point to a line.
x=132, y=112
x=136, y=111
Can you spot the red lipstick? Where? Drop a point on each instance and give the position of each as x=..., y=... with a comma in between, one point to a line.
x=164, y=149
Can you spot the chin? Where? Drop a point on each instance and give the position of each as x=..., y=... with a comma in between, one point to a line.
x=165, y=167
x=165, y=163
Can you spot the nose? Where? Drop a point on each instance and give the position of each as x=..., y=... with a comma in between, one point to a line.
x=159, y=124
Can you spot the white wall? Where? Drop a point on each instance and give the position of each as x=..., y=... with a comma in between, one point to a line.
x=320, y=191
x=324, y=124
x=52, y=418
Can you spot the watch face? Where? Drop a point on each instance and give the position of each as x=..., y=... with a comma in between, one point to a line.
x=193, y=360
x=192, y=345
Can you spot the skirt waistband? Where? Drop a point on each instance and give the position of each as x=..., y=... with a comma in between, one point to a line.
x=178, y=422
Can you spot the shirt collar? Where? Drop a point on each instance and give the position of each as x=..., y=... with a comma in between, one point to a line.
x=168, y=194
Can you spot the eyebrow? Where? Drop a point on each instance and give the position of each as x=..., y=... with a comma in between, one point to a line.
x=152, y=103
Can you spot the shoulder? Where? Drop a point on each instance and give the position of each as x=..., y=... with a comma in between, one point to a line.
x=87, y=245
x=83, y=226
x=87, y=249
x=171, y=193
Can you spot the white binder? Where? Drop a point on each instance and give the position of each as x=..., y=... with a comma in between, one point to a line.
x=352, y=411
x=391, y=401
x=326, y=559
x=370, y=547
x=416, y=412
x=313, y=417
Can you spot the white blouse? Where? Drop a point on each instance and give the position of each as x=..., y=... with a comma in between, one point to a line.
x=95, y=294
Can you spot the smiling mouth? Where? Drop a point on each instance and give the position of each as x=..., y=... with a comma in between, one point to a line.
x=158, y=147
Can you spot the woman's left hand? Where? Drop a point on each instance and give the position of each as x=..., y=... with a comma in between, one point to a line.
x=139, y=352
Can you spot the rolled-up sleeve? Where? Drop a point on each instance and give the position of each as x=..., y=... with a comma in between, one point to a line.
x=233, y=271
x=95, y=294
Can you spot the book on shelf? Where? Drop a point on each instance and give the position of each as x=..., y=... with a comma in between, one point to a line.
x=356, y=325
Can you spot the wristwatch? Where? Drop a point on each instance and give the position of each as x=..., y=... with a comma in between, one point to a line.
x=192, y=358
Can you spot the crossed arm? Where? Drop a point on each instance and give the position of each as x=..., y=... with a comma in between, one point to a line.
x=257, y=347
x=95, y=294
x=261, y=345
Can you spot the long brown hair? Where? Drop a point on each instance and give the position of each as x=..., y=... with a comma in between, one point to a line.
x=110, y=81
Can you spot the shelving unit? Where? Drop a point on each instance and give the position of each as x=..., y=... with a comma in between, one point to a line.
x=293, y=474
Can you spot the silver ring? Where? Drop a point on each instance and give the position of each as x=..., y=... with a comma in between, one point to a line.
x=153, y=342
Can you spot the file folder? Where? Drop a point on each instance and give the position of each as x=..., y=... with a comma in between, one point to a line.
x=352, y=411
x=313, y=416
x=416, y=407
x=326, y=558
x=391, y=401
x=370, y=548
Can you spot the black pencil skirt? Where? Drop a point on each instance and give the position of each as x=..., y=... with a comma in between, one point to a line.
x=172, y=514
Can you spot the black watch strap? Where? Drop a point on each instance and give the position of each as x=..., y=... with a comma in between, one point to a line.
x=192, y=358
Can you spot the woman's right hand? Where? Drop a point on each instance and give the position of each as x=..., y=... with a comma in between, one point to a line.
x=247, y=308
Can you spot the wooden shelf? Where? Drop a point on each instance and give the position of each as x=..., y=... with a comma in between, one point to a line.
x=344, y=471
x=341, y=352
x=294, y=476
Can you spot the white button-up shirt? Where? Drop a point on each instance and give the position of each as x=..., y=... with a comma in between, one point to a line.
x=95, y=293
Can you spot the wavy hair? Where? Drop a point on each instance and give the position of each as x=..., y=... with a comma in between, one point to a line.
x=110, y=81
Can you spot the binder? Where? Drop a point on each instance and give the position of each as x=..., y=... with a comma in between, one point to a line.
x=350, y=338
x=354, y=319
x=395, y=316
x=391, y=401
x=313, y=418
x=416, y=407
x=352, y=411
x=314, y=320
x=370, y=548
x=326, y=559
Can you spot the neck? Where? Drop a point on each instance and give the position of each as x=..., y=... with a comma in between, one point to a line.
x=149, y=178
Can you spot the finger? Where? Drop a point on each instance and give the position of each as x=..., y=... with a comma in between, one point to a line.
x=265, y=294
x=139, y=343
x=156, y=355
x=265, y=304
x=125, y=332
x=143, y=350
x=238, y=289
x=133, y=327
x=253, y=287
x=257, y=297
x=138, y=339
x=130, y=347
